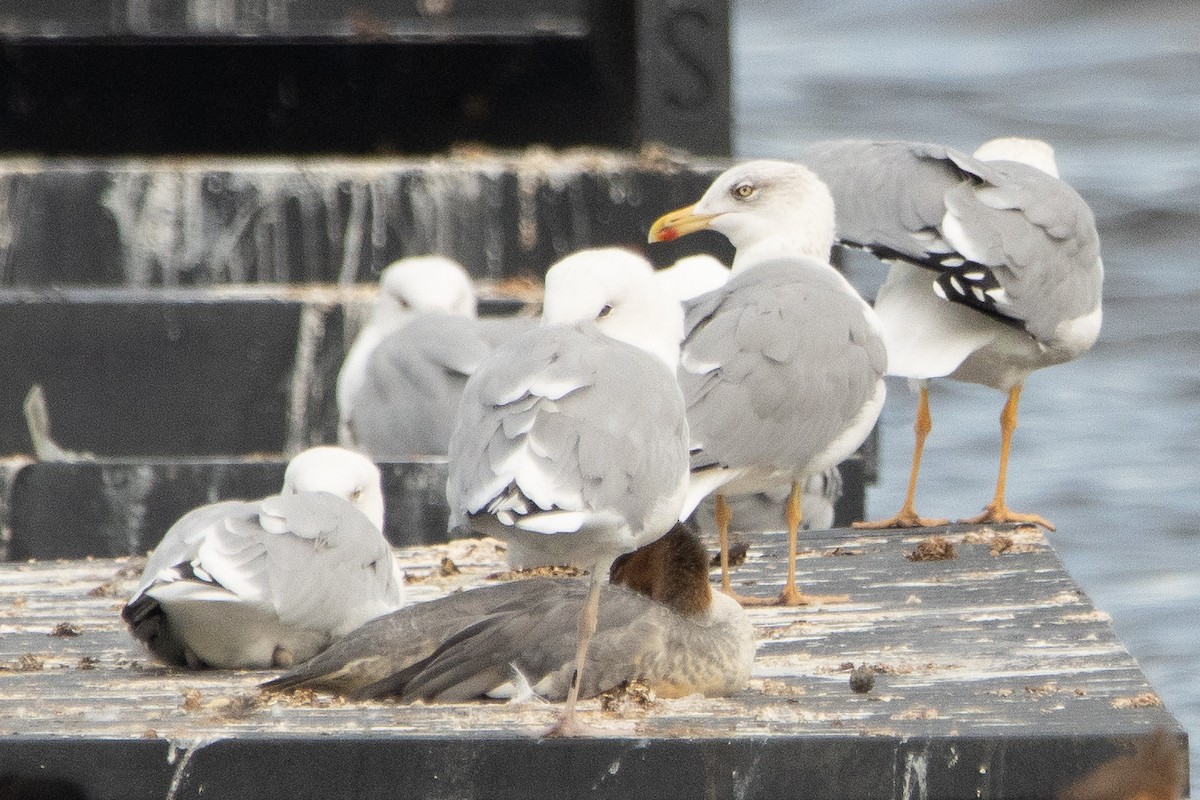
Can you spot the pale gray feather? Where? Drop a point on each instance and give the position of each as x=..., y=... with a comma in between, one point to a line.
x=1033, y=232
x=794, y=360
x=565, y=418
x=411, y=386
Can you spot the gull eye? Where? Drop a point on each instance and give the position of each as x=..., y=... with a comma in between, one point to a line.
x=356, y=494
x=743, y=190
x=605, y=311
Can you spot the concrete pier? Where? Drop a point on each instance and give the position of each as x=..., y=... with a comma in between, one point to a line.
x=994, y=677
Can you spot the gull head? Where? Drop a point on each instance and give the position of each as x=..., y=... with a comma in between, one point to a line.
x=617, y=290
x=425, y=283
x=345, y=473
x=1033, y=152
x=765, y=208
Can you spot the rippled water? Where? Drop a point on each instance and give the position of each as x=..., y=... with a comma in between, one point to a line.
x=1108, y=446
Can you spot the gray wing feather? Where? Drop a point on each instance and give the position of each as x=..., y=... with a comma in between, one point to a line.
x=1032, y=232
x=393, y=642
x=539, y=639
x=412, y=385
x=181, y=543
x=572, y=420
x=796, y=359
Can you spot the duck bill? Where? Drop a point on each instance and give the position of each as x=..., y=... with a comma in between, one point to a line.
x=680, y=222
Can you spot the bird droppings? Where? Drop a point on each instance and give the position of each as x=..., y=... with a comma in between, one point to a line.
x=631, y=697
x=237, y=707
x=66, y=629
x=107, y=589
x=935, y=548
x=191, y=700
x=546, y=571
x=27, y=662
x=1141, y=700
x=737, y=555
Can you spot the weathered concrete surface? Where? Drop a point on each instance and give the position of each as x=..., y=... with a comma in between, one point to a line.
x=192, y=221
x=995, y=677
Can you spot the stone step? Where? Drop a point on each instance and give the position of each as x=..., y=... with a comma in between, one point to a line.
x=302, y=77
x=172, y=222
x=198, y=330
x=113, y=507
x=199, y=372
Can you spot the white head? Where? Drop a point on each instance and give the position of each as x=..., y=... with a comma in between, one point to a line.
x=692, y=276
x=765, y=209
x=425, y=283
x=349, y=475
x=618, y=291
x=1033, y=152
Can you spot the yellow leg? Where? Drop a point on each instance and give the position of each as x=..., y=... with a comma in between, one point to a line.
x=907, y=516
x=724, y=516
x=998, y=510
x=791, y=596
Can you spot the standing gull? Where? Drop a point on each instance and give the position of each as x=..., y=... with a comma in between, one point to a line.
x=270, y=583
x=686, y=279
x=571, y=440
x=995, y=272
x=407, y=288
x=782, y=367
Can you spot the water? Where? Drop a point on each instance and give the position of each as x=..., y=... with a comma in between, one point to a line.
x=1108, y=445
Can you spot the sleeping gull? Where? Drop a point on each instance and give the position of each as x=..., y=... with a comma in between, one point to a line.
x=692, y=276
x=407, y=287
x=571, y=440
x=269, y=583
x=659, y=622
x=411, y=385
x=995, y=272
x=782, y=367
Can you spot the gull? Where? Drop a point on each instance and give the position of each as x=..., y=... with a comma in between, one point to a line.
x=571, y=439
x=407, y=288
x=688, y=278
x=411, y=386
x=692, y=276
x=270, y=583
x=782, y=367
x=995, y=271
x=659, y=623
